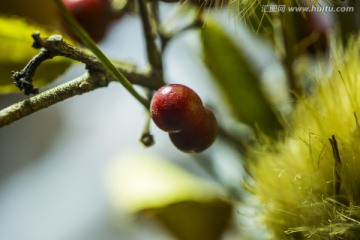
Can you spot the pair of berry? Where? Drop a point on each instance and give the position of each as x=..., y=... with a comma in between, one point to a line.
x=178, y=110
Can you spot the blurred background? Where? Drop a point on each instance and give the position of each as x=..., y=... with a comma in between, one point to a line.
x=54, y=163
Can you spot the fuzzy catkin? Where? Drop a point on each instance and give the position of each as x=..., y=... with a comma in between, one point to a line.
x=296, y=177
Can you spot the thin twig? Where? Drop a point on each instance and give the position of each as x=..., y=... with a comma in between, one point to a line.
x=337, y=165
x=96, y=77
x=55, y=46
x=79, y=32
x=239, y=143
x=166, y=36
x=58, y=47
x=23, y=78
x=149, y=28
x=150, y=18
x=83, y=84
x=78, y=86
x=356, y=120
x=51, y=47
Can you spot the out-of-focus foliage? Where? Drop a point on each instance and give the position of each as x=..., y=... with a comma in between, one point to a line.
x=189, y=207
x=237, y=80
x=43, y=12
x=16, y=51
x=193, y=220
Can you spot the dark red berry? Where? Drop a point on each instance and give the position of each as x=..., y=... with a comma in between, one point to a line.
x=178, y=110
x=93, y=15
x=199, y=137
x=175, y=107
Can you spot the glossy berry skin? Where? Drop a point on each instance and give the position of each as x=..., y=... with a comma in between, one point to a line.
x=93, y=15
x=199, y=137
x=175, y=107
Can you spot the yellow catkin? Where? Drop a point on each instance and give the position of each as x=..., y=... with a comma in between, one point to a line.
x=304, y=191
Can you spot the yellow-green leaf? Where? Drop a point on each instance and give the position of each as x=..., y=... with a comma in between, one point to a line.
x=191, y=220
x=237, y=80
x=189, y=207
x=40, y=11
x=16, y=51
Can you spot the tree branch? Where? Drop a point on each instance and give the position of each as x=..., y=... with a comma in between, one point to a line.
x=81, y=34
x=94, y=78
x=58, y=47
x=149, y=28
x=83, y=84
x=88, y=82
x=23, y=79
x=167, y=35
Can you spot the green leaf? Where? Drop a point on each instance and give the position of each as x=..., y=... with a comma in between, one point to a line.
x=190, y=220
x=189, y=207
x=40, y=11
x=16, y=51
x=237, y=80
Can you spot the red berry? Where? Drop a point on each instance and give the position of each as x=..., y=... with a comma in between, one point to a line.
x=178, y=110
x=175, y=107
x=199, y=137
x=93, y=15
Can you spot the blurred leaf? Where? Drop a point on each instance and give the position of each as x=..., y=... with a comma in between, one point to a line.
x=237, y=80
x=196, y=220
x=40, y=11
x=16, y=51
x=189, y=207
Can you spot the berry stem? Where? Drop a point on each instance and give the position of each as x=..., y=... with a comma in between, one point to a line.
x=81, y=34
x=147, y=138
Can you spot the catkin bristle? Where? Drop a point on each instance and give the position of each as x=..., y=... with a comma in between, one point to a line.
x=305, y=189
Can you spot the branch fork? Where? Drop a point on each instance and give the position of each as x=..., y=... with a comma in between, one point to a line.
x=95, y=77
